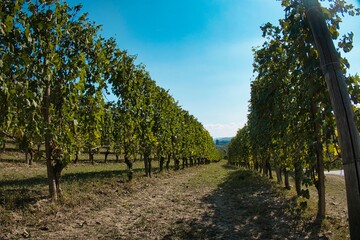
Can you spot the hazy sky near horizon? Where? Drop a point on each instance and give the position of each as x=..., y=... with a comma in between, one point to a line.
x=199, y=49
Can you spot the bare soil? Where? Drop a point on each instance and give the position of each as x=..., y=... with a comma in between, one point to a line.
x=205, y=202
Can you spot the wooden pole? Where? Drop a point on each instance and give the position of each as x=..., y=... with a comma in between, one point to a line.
x=344, y=115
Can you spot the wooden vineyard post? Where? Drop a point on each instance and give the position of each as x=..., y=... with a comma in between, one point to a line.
x=344, y=115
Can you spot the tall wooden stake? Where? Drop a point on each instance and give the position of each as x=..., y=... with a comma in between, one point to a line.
x=344, y=115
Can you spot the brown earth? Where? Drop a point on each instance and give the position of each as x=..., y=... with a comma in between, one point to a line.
x=205, y=202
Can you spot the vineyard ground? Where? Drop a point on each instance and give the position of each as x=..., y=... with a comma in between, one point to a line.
x=213, y=201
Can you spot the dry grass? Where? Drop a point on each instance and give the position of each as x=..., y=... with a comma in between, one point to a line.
x=213, y=201
x=335, y=225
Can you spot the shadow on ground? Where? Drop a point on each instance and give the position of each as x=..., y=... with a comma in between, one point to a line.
x=247, y=206
x=19, y=193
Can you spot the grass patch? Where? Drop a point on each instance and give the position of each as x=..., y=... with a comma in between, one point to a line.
x=240, y=204
x=211, y=175
x=22, y=184
x=335, y=225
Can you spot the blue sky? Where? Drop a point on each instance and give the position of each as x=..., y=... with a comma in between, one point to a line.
x=199, y=49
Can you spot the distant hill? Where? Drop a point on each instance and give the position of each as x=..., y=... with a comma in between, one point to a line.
x=222, y=144
x=222, y=141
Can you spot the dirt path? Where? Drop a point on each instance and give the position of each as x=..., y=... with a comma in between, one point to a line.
x=205, y=202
